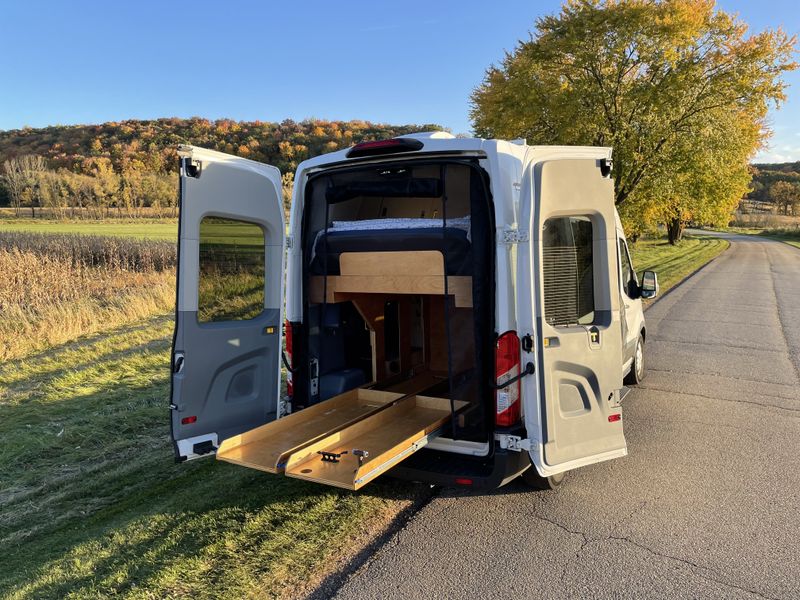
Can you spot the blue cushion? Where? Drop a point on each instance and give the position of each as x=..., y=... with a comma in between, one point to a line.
x=338, y=382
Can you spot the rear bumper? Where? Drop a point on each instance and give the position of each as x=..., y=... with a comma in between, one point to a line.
x=454, y=470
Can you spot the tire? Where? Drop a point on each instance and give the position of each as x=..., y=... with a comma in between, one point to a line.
x=537, y=482
x=637, y=372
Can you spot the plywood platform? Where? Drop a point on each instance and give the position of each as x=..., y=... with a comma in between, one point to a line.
x=418, y=272
x=268, y=447
x=387, y=437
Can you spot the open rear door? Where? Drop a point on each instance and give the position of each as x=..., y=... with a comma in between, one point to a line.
x=572, y=311
x=226, y=349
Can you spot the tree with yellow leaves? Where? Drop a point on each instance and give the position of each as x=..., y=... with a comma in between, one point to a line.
x=678, y=89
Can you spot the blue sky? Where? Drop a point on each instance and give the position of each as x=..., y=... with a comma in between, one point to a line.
x=409, y=62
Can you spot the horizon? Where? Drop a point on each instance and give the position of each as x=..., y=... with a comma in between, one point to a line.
x=138, y=72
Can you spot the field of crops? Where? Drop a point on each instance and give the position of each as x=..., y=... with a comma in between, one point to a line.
x=58, y=287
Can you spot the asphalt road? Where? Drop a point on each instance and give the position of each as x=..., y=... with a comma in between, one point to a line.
x=706, y=505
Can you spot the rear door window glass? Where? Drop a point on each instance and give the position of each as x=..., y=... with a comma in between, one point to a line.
x=231, y=282
x=568, y=271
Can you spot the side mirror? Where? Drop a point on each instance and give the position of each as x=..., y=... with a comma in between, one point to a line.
x=649, y=287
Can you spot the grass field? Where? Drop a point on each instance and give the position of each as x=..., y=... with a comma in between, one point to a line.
x=788, y=236
x=673, y=263
x=162, y=229
x=92, y=504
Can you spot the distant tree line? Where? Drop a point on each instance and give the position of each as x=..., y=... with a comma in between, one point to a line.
x=775, y=188
x=94, y=191
x=123, y=168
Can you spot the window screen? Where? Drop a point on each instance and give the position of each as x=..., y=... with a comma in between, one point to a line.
x=568, y=271
x=231, y=284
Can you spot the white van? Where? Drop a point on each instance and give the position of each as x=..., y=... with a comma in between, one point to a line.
x=456, y=310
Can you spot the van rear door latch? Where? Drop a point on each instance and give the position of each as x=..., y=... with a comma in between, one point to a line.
x=512, y=442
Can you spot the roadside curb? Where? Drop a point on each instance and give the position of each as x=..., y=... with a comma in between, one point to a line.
x=685, y=279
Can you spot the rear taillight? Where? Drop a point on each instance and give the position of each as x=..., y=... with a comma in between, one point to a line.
x=507, y=365
x=287, y=332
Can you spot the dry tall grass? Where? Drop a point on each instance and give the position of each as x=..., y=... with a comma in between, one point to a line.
x=766, y=221
x=54, y=288
x=120, y=253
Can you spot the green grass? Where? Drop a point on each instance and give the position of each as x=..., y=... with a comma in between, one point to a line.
x=788, y=236
x=146, y=228
x=673, y=263
x=92, y=504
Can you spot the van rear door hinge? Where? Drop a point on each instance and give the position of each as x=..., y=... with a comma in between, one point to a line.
x=515, y=236
x=513, y=442
x=289, y=242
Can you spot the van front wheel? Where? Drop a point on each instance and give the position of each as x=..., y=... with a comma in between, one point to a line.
x=637, y=366
x=537, y=482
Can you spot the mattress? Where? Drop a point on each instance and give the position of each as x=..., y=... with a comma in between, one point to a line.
x=452, y=241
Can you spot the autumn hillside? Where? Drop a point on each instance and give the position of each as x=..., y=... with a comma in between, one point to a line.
x=152, y=143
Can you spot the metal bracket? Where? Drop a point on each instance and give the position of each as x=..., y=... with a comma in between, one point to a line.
x=513, y=442
x=361, y=454
x=332, y=457
x=289, y=242
x=515, y=236
x=284, y=407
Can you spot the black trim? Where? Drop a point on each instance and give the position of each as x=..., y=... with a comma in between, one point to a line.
x=443, y=468
x=178, y=457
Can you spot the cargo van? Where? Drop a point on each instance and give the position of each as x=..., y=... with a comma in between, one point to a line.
x=457, y=311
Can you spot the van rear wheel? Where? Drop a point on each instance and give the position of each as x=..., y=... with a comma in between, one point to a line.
x=636, y=374
x=535, y=481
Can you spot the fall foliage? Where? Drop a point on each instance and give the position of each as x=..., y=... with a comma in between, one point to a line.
x=130, y=165
x=679, y=89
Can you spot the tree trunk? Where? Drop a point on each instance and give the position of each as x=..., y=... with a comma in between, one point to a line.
x=675, y=230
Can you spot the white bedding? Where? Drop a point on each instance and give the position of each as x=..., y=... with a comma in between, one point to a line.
x=371, y=224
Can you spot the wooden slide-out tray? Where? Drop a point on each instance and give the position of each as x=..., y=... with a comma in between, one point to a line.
x=269, y=446
x=388, y=436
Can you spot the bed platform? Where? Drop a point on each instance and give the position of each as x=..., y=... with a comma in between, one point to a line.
x=401, y=272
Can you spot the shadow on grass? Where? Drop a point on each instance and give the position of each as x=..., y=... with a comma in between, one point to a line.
x=102, y=509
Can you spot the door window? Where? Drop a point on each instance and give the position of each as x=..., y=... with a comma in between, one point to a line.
x=568, y=267
x=231, y=283
x=630, y=285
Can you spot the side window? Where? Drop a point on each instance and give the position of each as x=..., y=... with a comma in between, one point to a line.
x=568, y=271
x=231, y=282
x=629, y=283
